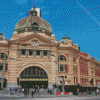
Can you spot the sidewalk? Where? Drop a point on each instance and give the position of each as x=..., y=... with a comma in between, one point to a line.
x=44, y=96
x=35, y=96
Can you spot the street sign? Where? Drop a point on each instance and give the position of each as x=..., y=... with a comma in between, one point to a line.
x=98, y=84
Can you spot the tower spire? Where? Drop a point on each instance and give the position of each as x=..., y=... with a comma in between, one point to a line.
x=34, y=3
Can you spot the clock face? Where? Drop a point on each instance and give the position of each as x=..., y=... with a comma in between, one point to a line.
x=35, y=43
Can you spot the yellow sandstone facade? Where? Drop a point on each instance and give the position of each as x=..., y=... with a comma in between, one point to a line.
x=39, y=59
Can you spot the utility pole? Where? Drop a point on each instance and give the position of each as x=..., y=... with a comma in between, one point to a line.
x=63, y=84
x=4, y=61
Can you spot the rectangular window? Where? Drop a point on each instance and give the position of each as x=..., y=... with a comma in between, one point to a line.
x=84, y=71
x=1, y=66
x=45, y=52
x=74, y=79
x=62, y=77
x=61, y=68
x=30, y=52
x=60, y=82
x=65, y=67
x=23, y=52
x=74, y=69
x=38, y=52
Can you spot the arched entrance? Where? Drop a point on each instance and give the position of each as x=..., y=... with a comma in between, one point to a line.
x=33, y=77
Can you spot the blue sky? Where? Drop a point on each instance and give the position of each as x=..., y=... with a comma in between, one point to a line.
x=78, y=19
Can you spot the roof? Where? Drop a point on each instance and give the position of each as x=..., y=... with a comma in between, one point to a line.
x=64, y=39
x=28, y=21
x=1, y=37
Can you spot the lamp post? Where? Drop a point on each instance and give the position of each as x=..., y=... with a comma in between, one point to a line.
x=91, y=83
x=4, y=61
x=63, y=85
x=55, y=70
x=19, y=81
x=4, y=58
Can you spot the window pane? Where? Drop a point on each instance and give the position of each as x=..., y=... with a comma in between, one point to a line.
x=65, y=67
x=23, y=52
x=74, y=70
x=45, y=52
x=29, y=72
x=38, y=52
x=74, y=59
x=61, y=69
x=37, y=72
x=34, y=73
x=30, y=52
x=1, y=66
x=41, y=73
x=61, y=58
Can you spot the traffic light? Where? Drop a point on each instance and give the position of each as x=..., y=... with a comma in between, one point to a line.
x=91, y=82
x=55, y=86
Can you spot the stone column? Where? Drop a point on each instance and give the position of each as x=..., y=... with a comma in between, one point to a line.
x=19, y=53
x=27, y=53
x=34, y=53
x=41, y=53
x=48, y=54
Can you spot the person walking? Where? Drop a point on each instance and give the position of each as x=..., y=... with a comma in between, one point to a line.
x=32, y=92
x=10, y=91
x=25, y=92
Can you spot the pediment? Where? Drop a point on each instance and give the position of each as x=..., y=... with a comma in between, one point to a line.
x=33, y=37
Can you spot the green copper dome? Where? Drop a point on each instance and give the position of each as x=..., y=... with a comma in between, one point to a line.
x=65, y=40
x=1, y=37
x=33, y=21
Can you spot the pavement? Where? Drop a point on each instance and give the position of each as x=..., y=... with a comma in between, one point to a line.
x=47, y=97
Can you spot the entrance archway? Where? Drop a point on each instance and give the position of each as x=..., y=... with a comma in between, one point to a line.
x=33, y=77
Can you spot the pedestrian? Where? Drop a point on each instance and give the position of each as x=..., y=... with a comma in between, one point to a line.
x=32, y=92
x=28, y=91
x=37, y=91
x=48, y=91
x=14, y=89
x=22, y=90
x=25, y=92
x=10, y=91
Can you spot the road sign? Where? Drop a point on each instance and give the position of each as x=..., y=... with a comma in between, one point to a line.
x=98, y=84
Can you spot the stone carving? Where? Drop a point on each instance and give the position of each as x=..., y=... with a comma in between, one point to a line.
x=47, y=66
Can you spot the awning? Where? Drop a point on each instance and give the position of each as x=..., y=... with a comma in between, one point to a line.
x=32, y=79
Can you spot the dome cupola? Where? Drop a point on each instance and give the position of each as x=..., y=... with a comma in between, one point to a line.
x=33, y=23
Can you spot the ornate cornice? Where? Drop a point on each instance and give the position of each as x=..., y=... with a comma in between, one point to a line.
x=26, y=38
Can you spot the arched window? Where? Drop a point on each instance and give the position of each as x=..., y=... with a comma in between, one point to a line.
x=35, y=25
x=62, y=58
x=74, y=59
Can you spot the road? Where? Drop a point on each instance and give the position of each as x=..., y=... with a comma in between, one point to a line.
x=53, y=98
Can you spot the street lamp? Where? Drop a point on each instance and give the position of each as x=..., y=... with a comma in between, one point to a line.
x=4, y=58
x=63, y=84
x=91, y=83
x=55, y=71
